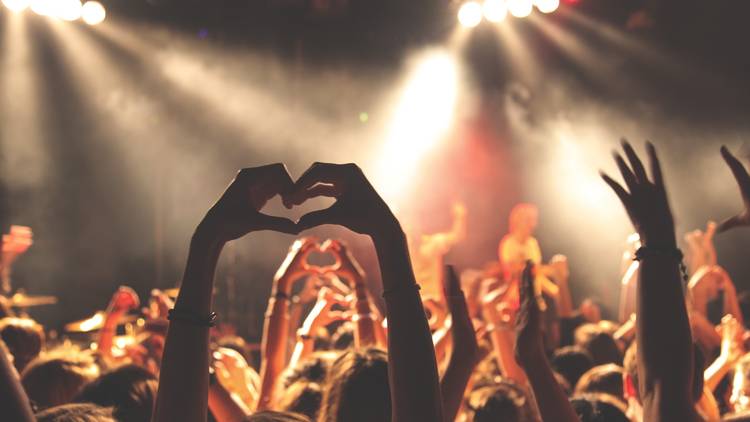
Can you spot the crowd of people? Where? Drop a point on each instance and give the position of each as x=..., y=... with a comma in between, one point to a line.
x=505, y=343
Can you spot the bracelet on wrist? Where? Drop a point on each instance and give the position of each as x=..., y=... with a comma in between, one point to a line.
x=192, y=318
x=675, y=254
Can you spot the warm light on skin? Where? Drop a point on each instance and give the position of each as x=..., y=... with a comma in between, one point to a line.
x=520, y=8
x=547, y=6
x=16, y=5
x=93, y=13
x=470, y=14
x=495, y=10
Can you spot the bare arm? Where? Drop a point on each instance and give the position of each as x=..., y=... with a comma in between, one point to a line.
x=14, y=404
x=665, y=352
x=183, y=383
x=465, y=350
x=122, y=301
x=551, y=399
x=412, y=371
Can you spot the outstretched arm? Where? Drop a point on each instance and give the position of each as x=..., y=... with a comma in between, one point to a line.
x=465, y=350
x=14, y=404
x=551, y=399
x=665, y=352
x=183, y=383
x=412, y=371
x=743, y=182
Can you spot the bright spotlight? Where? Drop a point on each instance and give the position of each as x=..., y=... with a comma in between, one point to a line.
x=547, y=6
x=93, y=13
x=470, y=14
x=69, y=10
x=520, y=8
x=495, y=10
x=44, y=7
x=16, y=5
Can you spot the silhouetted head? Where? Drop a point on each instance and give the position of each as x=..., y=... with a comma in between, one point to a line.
x=270, y=416
x=602, y=379
x=503, y=401
x=601, y=345
x=599, y=408
x=302, y=397
x=572, y=362
x=76, y=413
x=357, y=388
x=24, y=338
x=130, y=390
x=57, y=379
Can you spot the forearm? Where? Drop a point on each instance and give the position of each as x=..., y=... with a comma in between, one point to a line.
x=273, y=358
x=14, y=404
x=365, y=319
x=665, y=350
x=415, y=392
x=503, y=340
x=551, y=400
x=185, y=360
x=223, y=406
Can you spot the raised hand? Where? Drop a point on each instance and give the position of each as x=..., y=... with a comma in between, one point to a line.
x=529, y=338
x=124, y=300
x=358, y=207
x=644, y=200
x=346, y=265
x=295, y=264
x=237, y=212
x=743, y=181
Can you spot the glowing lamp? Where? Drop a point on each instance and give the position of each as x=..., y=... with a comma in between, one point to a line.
x=495, y=10
x=470, y=14
x=520, y=8
x=93, y=13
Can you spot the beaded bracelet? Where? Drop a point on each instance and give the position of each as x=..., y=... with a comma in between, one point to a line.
x=192, y=319
x=676, y=254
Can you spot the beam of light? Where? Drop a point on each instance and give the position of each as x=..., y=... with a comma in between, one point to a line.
x=24, y=162
x=422, y=117
x=44, y=7
x=93, y=13
x=16, y=5
x=520, y=8
x=547, y=6
x=470, y=14
x=525, y=68
x=495, y=10
x=69, y=10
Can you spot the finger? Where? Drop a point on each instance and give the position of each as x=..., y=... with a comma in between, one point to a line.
x=655, y=166
x=320, y=189
x=635, y=162
x=627, y=174
x=318, y=218
x=278, y=224
x=730, y=223
x=528, y=294
x=269, y=180
x=738, y=170
x=619, y=190
x=317, y=173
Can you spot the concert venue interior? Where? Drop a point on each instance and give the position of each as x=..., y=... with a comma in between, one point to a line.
x=123, y=121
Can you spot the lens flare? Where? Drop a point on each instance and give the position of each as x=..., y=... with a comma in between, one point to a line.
x=93, y=13
x=495, y=10
x=520, y=8
x=16, y=5
x=547, y=6
x=69, y=10
x=44, y=7
x=470, y=14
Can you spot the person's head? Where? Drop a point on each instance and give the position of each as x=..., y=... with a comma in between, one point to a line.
x=357, y=388
x=523, y=220
x=54, y=380
x=572, y=362
x=591, y=310
x=271, y=416
x=601, y=345
x=24, y=338
x=130, y=390
x=602, y=379
x=503, y=401
x=302, y=397
x=85, y=412
x=312, y=369
x=599, y=408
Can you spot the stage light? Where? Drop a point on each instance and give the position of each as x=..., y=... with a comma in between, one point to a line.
x=470, y=14
x=69, y=10
x=495, y=10
x=520, y=8
x=44, y=7
x=93, y=13
x=16, y=5
x=547, y=6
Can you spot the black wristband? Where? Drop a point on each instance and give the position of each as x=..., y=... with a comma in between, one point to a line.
x=192, y=319
x=674, y=254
